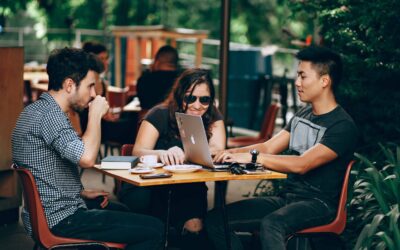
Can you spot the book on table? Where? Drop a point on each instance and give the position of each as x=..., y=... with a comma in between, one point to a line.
x=119, y=162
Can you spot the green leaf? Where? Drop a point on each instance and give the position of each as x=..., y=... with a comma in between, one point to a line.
x=363, y=237
x=387, y=240
x=394, y=225
x=388, y=153
x=376, y=221
x=398, y=156
x=377, y=189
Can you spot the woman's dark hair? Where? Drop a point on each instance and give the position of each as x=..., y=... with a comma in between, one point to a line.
x=95, y=63
x=188, y=79
x=67, y=63
x=94, y=47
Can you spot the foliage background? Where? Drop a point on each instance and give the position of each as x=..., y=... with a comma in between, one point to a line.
x=366, y=33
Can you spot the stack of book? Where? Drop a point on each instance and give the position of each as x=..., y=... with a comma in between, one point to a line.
x=119, y=162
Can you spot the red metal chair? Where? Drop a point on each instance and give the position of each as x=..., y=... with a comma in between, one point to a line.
x=117, y=99
x=41, y=233
x=337, y=226
x=126, y=150
x=266, y=132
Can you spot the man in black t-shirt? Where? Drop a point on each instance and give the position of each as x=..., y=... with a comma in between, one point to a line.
x=322, y=137
x=154, y=86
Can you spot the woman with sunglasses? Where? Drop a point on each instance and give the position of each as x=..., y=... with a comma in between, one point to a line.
x=193, y=93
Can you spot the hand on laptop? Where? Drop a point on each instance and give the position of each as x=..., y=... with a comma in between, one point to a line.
x=172, y=156
x=226, y=156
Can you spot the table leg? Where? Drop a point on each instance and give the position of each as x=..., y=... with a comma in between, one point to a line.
x=167, y=219
x=221, y=189
x=219, y=193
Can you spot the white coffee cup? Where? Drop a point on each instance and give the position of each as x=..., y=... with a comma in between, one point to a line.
x=149, y=160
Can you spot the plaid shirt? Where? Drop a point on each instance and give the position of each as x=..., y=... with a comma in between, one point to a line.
x=44, y=142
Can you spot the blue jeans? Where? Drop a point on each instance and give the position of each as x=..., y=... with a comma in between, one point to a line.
x=138, y=231
x=274, y=217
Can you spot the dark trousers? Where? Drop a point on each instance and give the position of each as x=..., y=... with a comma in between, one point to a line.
x=138, y=231
x=274, y=217
x=188, y=201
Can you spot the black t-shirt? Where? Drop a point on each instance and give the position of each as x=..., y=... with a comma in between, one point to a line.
x=154, y=87
x=159, y=118
x=337, y=131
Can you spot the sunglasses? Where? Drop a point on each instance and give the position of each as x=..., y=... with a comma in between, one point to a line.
x=204, y=100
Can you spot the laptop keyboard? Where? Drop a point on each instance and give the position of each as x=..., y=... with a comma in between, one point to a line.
x=221, y=165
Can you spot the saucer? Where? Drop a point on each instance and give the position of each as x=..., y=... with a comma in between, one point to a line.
x=141, y=170
x=157, y=165
x=185, y=168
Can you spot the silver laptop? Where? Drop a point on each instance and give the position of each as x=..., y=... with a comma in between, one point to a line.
x=194, y=140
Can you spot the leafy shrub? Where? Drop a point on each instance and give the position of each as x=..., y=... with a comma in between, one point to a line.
x=374, y=208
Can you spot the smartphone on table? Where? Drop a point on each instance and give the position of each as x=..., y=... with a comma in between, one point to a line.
x=155, y=176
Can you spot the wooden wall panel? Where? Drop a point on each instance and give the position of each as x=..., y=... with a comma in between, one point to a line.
x=11, y=104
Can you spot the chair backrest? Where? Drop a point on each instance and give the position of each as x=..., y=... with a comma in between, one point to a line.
x=116, y=97
x=339, y=223
x=40, y=229
x=126, y=149
x=268, y=125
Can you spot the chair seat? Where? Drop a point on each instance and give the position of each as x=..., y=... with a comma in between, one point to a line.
x=336, y=227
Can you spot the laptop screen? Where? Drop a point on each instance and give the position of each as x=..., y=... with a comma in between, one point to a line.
x=194, y=139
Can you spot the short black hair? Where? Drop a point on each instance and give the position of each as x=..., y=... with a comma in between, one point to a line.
x=67, y=63
x=95, y=63
x=94, y=47
x=325, y=61
x=167, y=54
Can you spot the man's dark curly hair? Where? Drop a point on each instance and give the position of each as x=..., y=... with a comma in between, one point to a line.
x=67, y=63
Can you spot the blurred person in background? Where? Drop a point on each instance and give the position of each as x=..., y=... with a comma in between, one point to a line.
x=154, y=85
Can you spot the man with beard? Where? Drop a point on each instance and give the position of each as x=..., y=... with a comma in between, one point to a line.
x=45, y=143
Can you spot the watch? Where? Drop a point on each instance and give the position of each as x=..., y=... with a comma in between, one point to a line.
x=254, y=153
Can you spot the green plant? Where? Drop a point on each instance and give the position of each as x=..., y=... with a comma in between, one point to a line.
x=376, y=199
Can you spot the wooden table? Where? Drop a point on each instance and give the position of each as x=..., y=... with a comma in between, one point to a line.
x=200, y=176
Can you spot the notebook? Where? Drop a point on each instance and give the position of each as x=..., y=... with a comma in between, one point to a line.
x=119, y=162
x=194, y=140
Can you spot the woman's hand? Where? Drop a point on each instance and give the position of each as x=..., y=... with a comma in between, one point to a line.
x=93, y=194
x=172, y=156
